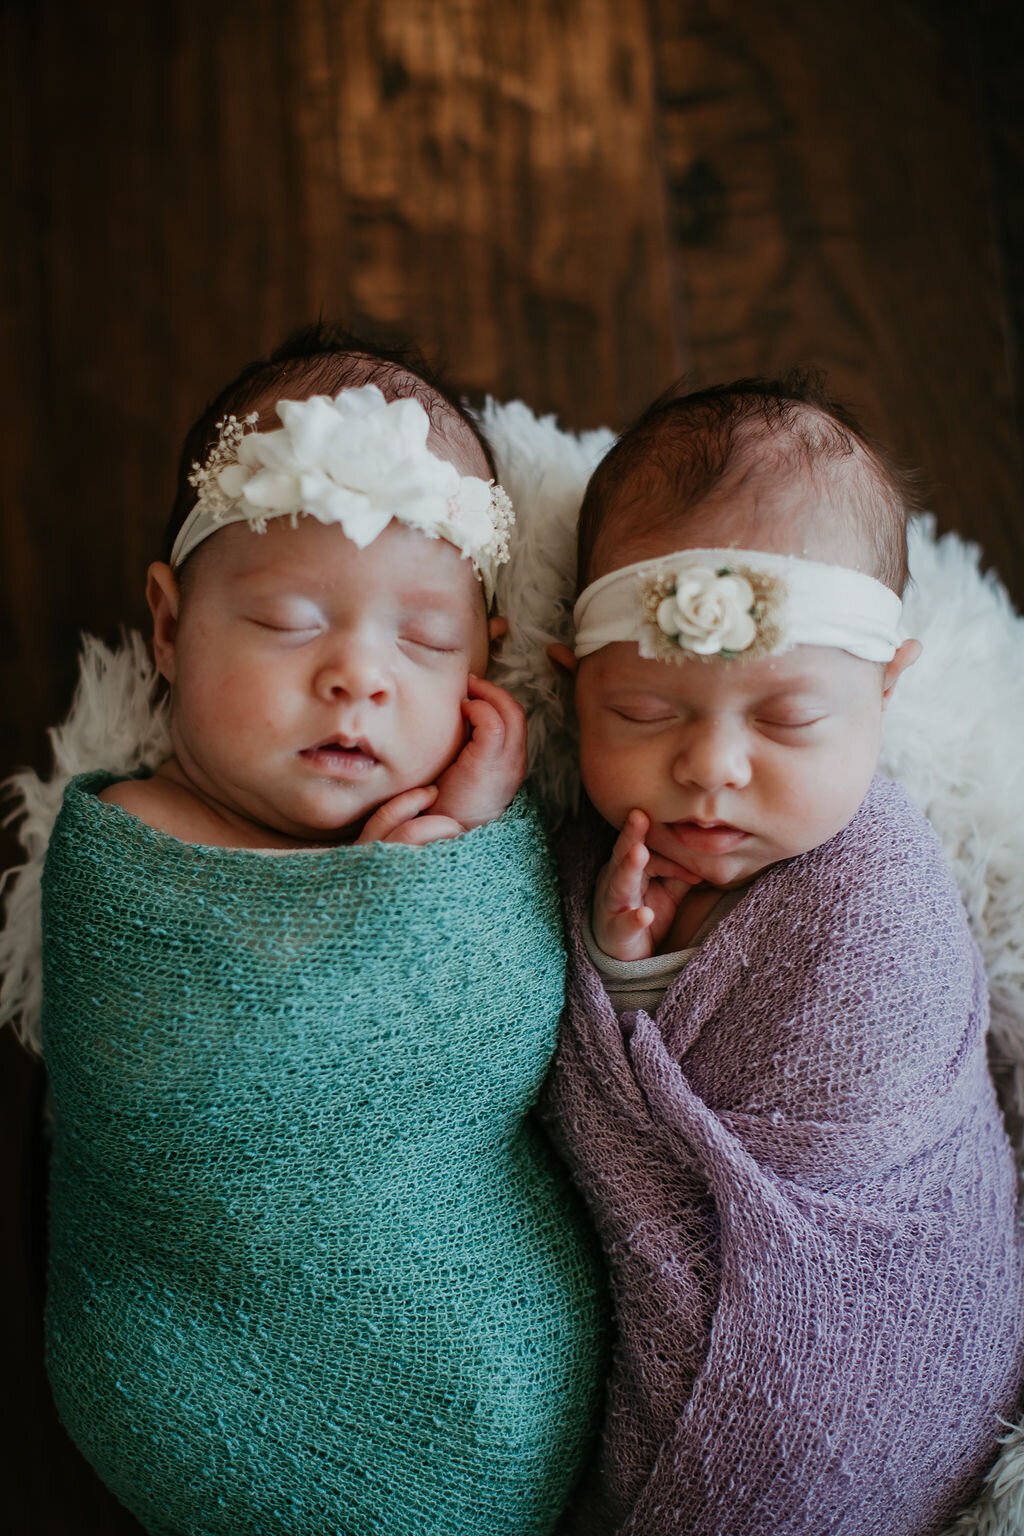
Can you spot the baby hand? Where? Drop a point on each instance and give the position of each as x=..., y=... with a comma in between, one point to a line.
x=401, y=820
x=485, y=776
x=478, y=786
x=636, y=895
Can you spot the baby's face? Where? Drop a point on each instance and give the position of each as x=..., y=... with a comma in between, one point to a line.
x=738, y=764
x=313, y=680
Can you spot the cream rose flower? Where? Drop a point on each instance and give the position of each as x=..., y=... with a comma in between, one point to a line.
x=708, y=612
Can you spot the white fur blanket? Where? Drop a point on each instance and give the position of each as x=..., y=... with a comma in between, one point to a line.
x=954, y=736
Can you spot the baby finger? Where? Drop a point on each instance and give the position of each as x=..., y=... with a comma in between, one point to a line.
x=393, y=813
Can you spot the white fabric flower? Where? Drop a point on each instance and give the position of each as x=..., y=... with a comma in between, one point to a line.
x=356, y=460
x=708, y=612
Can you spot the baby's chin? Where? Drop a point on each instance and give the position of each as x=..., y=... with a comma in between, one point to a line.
x=728, y=867
x=307, y=826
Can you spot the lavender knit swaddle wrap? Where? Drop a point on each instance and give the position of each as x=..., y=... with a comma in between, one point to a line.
x=802, y=1182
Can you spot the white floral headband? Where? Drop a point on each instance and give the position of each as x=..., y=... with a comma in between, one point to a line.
x=729, y=603
x=357, y=460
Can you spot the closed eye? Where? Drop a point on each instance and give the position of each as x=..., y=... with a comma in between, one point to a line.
x=792, y=725
x=439, y=645
x=643, y=716
x=294, y=617
x=296, y=627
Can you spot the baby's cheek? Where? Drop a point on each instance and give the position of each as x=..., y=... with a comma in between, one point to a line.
x=442, y=732
x=612, y=793
x=830, y=803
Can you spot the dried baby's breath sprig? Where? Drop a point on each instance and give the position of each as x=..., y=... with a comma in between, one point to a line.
x=209, y=492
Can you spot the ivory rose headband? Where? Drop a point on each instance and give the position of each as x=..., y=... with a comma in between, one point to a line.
x=730, y=603
x=357, y=460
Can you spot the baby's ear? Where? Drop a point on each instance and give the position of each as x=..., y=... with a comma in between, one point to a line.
x=562, y=659
x=163, y=594
x=905, y=657
x=496, y=627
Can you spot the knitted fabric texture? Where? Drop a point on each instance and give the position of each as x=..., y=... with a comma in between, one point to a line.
x=314, y=1269
x=806, y=1199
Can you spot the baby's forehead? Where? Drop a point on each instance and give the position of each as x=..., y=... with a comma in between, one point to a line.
x=620, y=669
x=777, y=513
x=400, y=564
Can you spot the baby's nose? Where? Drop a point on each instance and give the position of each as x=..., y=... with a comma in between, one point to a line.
x=714, y=755
x=351, y=669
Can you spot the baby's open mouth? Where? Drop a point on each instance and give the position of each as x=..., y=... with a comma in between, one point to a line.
x=341, y=755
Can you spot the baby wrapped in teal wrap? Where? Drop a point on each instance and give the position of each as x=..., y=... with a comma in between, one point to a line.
x=314, y=1269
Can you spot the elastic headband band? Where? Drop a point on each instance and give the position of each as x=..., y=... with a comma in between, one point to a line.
x=357, y=460
x=729, y=603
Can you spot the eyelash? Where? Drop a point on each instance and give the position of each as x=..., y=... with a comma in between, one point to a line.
x=427, y=645
x=314, y=629
x=776, y=725
x=286, y=629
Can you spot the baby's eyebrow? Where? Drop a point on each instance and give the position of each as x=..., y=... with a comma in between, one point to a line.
x=623, y=693
x=433, y=597
x=274, y=579
x=312, y=584
x=793, y=685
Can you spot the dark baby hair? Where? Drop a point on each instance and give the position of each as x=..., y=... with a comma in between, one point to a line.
x=686, y=446
x=324, y=357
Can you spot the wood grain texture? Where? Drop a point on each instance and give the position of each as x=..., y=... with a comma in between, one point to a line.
x=997, y=32
x=829, y=201
x=567, y=201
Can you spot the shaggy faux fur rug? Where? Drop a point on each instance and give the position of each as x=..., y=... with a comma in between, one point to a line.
x=954, y=736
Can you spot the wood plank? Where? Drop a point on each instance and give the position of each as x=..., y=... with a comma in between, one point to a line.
x=829, y=205
x=997, y=32
x=25, y=645
x=479, y=151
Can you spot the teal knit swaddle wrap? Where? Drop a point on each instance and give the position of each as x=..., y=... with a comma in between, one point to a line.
x=313, y=1271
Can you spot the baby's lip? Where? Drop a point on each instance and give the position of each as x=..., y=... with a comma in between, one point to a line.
x=342, y=743
x=341, y=754
x=701, y=836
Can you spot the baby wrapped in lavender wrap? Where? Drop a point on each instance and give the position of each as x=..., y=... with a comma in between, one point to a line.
x=772, y=1086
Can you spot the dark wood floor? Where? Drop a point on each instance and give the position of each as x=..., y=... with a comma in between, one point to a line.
x=568, y=201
